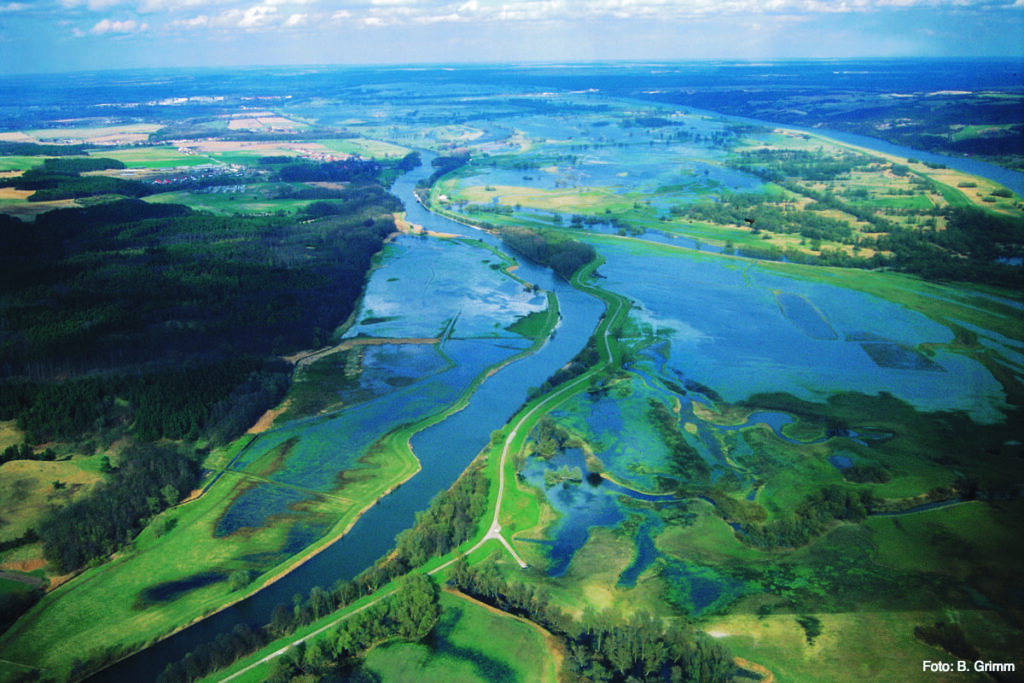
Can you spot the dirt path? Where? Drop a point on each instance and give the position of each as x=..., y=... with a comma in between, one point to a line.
x=766, y=675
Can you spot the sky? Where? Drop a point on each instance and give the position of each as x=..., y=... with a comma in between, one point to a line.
x=75, y=35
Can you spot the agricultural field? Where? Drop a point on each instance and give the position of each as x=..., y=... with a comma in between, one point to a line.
x=756, y=387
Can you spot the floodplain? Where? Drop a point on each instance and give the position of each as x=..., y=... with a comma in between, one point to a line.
x=803, y=439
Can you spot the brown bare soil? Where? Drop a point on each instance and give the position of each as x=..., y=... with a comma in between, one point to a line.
x=766, y=675
x=266, y=421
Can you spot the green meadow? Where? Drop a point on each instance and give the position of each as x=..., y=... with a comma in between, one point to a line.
x=156, y=157
x=470, y=643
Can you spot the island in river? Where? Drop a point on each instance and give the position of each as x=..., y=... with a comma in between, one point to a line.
x=772, y=423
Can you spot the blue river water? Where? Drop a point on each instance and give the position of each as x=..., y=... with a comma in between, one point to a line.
x=444, y=450
x=447, y=448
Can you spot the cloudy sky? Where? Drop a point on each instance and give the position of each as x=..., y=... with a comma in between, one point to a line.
x=70, y=35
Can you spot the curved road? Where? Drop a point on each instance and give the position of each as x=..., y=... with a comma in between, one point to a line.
x=494, y=530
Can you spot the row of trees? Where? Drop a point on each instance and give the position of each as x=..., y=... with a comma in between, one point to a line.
x=449, y=521
x=580, y=363
x=601, y=646
x=146, y=481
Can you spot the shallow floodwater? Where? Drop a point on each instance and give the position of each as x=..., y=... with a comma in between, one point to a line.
x=728, y=331
x=429, y=288
x=444, y=450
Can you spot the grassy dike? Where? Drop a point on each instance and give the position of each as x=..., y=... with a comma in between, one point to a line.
x=511, y=511
x=99, y=613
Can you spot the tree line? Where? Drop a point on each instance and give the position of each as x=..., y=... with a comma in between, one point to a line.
x=602, y=646
x=146, y=481
x=449, y=521
x=559, y=252
x=217, y=400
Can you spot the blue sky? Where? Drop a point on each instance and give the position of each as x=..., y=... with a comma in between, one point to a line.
x=71, y=35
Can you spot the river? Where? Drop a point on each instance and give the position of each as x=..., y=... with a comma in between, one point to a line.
x=444, y=450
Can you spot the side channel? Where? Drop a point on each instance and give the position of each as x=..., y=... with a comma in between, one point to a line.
x=444, y=449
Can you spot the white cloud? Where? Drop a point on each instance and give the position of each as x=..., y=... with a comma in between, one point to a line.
x=257, y=16
x=127, y=26
x=174, y=5
x=252, y=15
x=200, y=21
x=13, y=7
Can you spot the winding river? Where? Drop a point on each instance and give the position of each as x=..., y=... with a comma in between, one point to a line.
x=444, y=450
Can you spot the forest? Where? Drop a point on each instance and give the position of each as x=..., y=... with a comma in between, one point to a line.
x=562, y=254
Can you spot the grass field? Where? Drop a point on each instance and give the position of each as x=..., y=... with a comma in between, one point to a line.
x=470, y=643
x=375, y=149
x=153, y=157
x=27, y=490
x=254, y=199
x=104, y=607
x=19, y=163
x=866, y=646
x=101, y=135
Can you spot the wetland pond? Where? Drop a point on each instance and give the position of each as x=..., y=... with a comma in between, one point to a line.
x=725, y=330
x=323, y=445
x=713, y=331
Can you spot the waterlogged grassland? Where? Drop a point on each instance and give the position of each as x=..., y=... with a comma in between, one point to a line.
x=702, y=568
x=646, y=178
x=442, y=288
x=112, y=606
x=470, y=643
